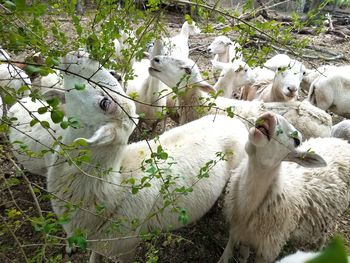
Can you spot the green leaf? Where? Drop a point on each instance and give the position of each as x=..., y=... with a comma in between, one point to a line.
x=54, y=102
x=45, y=124
x=64, y=124
x=334, y=252
x=42, y=110
x=134, y=190
x=79, y=86
x=183, y=217
x=30, y=69
x=81, y=142
x=57, y=116
x=33, y=122
x=9, y=100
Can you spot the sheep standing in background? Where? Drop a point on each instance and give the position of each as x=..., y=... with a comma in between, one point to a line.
x=177, y=46
x=285, y=85
x=225, y=51
x=107, y=120
x=233, y=76
x=332, y=91
x=312, y=74
x=341, y=130
x=271, y=200
x=183, y=76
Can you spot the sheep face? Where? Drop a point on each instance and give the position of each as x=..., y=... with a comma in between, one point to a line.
x=102, y=103
x=175, y=72
x=273, y=140
x=242, y=73
x=219, y=45
x=288, y=78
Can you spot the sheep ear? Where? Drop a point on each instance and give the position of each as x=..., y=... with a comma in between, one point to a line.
x=103, y=136
x=50, y=94
x=306, y=159
x=278, y=61
x=205, y=86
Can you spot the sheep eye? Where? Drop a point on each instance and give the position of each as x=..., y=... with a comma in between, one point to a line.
x=296, y=142
x=246, y=70
x=104, y=103
x=304, y=73
x=279, y=69
x=188, y=71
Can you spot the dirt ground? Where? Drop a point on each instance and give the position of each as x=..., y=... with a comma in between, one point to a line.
x=203, y=241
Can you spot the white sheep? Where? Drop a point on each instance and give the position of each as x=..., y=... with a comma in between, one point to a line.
x=312, y=74
x=272, y=198
x=52, y=81
x=184, y=76
x=300, y=257
x=233, y=76
x=177, y=46
x=14, y=78
x=147, y=89
x=332, y=91
x=285, y=85
x=225, y=51
x=341, y=130
x=29, y=143
x=106, y=117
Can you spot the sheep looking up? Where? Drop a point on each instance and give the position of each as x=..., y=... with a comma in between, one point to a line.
x=106, y=123
x=285, y=85
x=184, y=77
x=177, y=46
x=271, y=198
x=331, y=91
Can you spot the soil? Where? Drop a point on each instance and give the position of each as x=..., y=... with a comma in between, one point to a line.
x=203, y=241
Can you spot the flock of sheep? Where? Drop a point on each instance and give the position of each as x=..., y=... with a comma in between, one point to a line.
x=278, y=186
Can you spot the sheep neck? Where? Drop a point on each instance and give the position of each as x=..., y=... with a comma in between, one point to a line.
x=257, y=182
x=187, y=103
x=185, y=31
x=224, y=57
x=276, y=93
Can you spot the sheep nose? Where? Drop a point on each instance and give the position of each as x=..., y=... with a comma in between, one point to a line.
x=292, y=89
x=156, y=59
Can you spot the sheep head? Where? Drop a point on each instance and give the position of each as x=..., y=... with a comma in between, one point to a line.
x=96, y=99
x=175, y=72
x=288, y=75
x=273, y=139
x=219, y=45
x=238, y=72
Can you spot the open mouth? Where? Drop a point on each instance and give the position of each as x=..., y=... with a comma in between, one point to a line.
x=153, y=69
x=262, y=125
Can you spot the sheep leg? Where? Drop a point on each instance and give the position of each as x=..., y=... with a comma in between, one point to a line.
x=244, y=252
x=228, y=252
x=95, y=258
